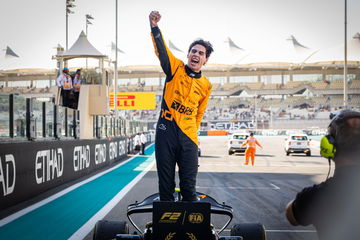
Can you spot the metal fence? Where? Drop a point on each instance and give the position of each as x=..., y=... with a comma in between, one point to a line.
x=29, y=119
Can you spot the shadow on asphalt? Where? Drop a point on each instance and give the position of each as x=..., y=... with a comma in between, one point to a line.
x=303, y=155
x=206, y=156
x=264, y=155
x=257, y=155
x=305, y=161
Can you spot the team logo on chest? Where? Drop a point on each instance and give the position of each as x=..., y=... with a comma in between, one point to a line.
x=181, y=108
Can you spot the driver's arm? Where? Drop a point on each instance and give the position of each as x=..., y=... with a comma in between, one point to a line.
x=168, y=62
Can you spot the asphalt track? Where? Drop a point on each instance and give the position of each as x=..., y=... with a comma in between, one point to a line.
x=257, y=193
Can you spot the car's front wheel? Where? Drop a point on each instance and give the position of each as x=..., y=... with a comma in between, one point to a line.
x=249, y=231
x=109, y=229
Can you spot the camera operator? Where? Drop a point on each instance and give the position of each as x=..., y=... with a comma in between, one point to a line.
x=333, y=206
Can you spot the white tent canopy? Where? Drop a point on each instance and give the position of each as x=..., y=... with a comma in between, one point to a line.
x=337, y=53
x=82, y=48
x=290, y=52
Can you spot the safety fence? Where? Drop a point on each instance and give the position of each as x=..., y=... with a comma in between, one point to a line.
x=26, y=118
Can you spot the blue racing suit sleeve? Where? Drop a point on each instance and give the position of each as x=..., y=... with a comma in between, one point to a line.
x=169, y=63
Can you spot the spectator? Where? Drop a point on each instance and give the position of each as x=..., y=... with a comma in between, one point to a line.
x=128, y=144
x=76, y=90
x=137, y=142
x=64, y=84
x=143, y=141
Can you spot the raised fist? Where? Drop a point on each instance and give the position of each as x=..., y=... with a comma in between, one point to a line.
x=154, y=18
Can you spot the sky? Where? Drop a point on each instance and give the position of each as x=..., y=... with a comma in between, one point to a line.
x=33, y=28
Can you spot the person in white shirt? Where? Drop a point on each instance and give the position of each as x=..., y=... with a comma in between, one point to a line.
x=64, y=83
x=137, y=142
x=143, y=141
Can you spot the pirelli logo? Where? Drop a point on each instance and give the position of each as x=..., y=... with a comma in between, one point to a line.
x=133, y=100
x=181, y=108
x=126, y=100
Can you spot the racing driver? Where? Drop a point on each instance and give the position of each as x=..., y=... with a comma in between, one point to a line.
x=185, y=96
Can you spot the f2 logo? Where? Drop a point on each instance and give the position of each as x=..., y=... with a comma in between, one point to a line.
x=170, y=217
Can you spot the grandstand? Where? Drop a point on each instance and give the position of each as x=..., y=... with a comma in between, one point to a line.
x=337, y=85
x=254, y=86
x=229, y=86
x=355, y=100
x=319, y=85
x=294, y=84
x=336, y=100
x=320, y=100
x=270, y=102
x=229, y=100
x=355, y=84
x=266, y=91
x=271, y=86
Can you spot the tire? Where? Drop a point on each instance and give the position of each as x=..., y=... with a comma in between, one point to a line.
x=249, y=231
x=230, y=152
x=287, y=153
x=105, y=230
x=308, y=154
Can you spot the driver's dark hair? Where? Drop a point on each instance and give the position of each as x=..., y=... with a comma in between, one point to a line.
x=206, y=44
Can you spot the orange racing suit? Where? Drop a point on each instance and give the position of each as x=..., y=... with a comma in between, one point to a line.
x=184, y=101
x=251, y=143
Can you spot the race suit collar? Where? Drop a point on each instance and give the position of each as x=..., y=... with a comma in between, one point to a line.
x=191, y=73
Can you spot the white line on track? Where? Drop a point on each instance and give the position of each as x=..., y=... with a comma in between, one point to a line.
x=275, y=187
x=272, y=186
x=220, y=164
x=285, y=231
x=89, y=225
x=280, y=231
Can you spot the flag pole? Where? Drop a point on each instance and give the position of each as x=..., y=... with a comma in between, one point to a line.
x=116, y=60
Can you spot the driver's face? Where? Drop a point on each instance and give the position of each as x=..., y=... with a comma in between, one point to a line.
x=197, y=57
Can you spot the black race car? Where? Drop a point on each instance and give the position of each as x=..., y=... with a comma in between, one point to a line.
x=178, y=221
